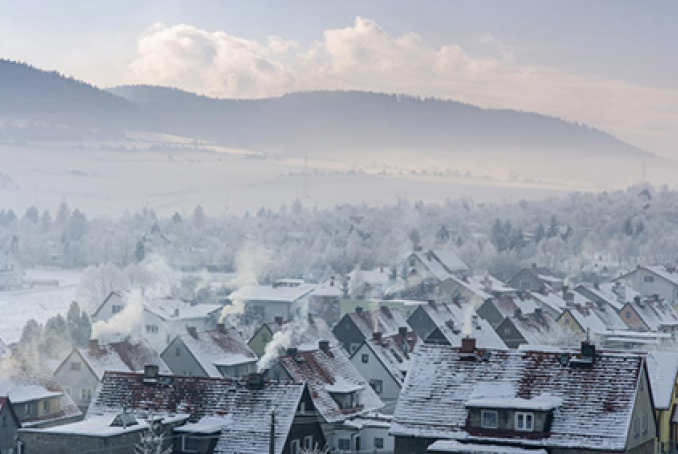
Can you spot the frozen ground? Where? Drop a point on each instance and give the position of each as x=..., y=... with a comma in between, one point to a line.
x=40, y=303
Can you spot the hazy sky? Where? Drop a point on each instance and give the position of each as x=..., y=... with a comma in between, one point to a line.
x=611, y=64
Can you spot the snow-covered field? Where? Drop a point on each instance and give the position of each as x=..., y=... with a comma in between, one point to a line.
x=40, y=303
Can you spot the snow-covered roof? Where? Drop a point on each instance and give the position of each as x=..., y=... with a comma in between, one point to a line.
x=245, y=411
x=442, y=264
x=669, y=274
x=613, y=293
x=662, y=368
x=325, y=373
x=25, y=378
x=597, y=400
x=534, y=328
x=395, y=353
x=100, y=425
x=221, y=347
x=483, y=286
x=553, y=300
x=122, y=356
x=456, y=447
x=281, y=294
x=385, y=320
x=538, y=403
x=656, y=313
x=479, y=328
x=305, y=335
x=171, y=308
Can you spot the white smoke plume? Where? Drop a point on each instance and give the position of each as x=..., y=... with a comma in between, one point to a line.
x=288, y=336
x=158, y=281
x=250, y=263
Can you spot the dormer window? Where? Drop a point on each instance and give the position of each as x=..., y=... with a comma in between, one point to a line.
x=489, y=419
x=525, y=422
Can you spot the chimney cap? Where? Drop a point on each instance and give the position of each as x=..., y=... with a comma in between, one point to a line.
x=151, y=372
x=358, y=310
x=324, y=346
x=377, y=336
x=402, y=331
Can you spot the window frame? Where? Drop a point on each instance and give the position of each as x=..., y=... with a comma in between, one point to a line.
x=379, y=442
x=525, y=416
x=308, y=442
x=365, y=358
x=482, y=419
x=185, y=448
x=295, y=446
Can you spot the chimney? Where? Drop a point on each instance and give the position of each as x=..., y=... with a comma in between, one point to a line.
x=402, y=331
x=324, y=346
x=468, y=345
x=151, y=373
x=255, y=381
x=293, y=352
x=517, y=312
x=432, y=303
x=192, y=331
x=568, y=297
x=376, y=336
x=475, y=321
x=534, y=265
x=588, y=350
x=358, y=310
x=221, y=327
x=93, y=345
x=278, y=320
x=538, y=311
x=487, y=284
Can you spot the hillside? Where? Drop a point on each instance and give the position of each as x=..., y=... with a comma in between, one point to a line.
x=327, y=124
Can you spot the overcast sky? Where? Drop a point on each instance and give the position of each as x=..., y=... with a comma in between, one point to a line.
x=610, y=64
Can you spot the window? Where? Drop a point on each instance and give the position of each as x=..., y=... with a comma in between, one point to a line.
x=648, y=279
x=45, y=406
x=379, y=443
x=413, y=262
x=75, y=366
x=86, y=394
x=627, y=314
x=525, y=421
x=190, y=444
x=489, y=419
x=294, y=447
x=116, y=308
x=377, y=385
x=308, y=442
x=302, y=407
x=365, y=358
x=151, y=329
x=177, y=351
x=344, y=444
x=507, y=331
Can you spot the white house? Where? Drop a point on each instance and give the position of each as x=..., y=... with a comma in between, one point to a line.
x=266, y=302
x=659, y=280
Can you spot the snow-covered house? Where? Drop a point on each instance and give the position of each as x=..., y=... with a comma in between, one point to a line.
x=588, y=319
x=495, y=310
x=369, y=284
x=11, y=271
x=357, y=326
x=433, y=265
x=383, y=361
x=225, y=416
x=662, y=368
x=80, y=372
x=338, y=390
x=534, y=279
x=9, y=427
x=161, y=319
x=650, y=314
x=559, y=400
x=472, y=289
x=37, y=397
x=218, y=353
x=652, y=280
x=614, y=294
x=536, y=328
x=265, y=302
x=301, y=334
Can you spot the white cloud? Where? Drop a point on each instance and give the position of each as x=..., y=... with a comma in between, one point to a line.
x=364, y=56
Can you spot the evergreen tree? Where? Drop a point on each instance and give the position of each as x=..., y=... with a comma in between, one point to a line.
x=140, y=251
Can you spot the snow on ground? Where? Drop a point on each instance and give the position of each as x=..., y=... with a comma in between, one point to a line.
x=39, y=303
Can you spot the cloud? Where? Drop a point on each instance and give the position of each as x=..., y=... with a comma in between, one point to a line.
x=364, y=56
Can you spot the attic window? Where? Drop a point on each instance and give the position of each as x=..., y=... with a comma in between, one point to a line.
x=525, y=422
x=648, y=279
x=489, y=419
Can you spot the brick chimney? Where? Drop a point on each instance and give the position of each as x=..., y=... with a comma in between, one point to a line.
x=151, y=373
x=93, y=345
x=468, y=345
x=324, y=346
x=293, y=352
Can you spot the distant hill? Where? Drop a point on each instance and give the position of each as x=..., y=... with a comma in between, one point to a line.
x=333, y=123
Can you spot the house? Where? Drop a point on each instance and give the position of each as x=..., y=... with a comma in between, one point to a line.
x=445, y=323
x=369, y=284
x=652, y=280
x=37, y=398
x=537, y=328
x=560, y=400
x=80, y=372
x=225, y=416
x=113, y=433
x=472, y=289
x=162, y=318
x=354, y=328
x=649, y=314
x=325, y=301
x=534, y=279
x=614, y=294
x=265, y=302
x=662, y=367
x=338, y=390
x=9, y=428
x=218, y=353
x=11, y=271
x=495, y=310
x=433, y=266
x=302, y=335
x=590, y=318
x=383, y=361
